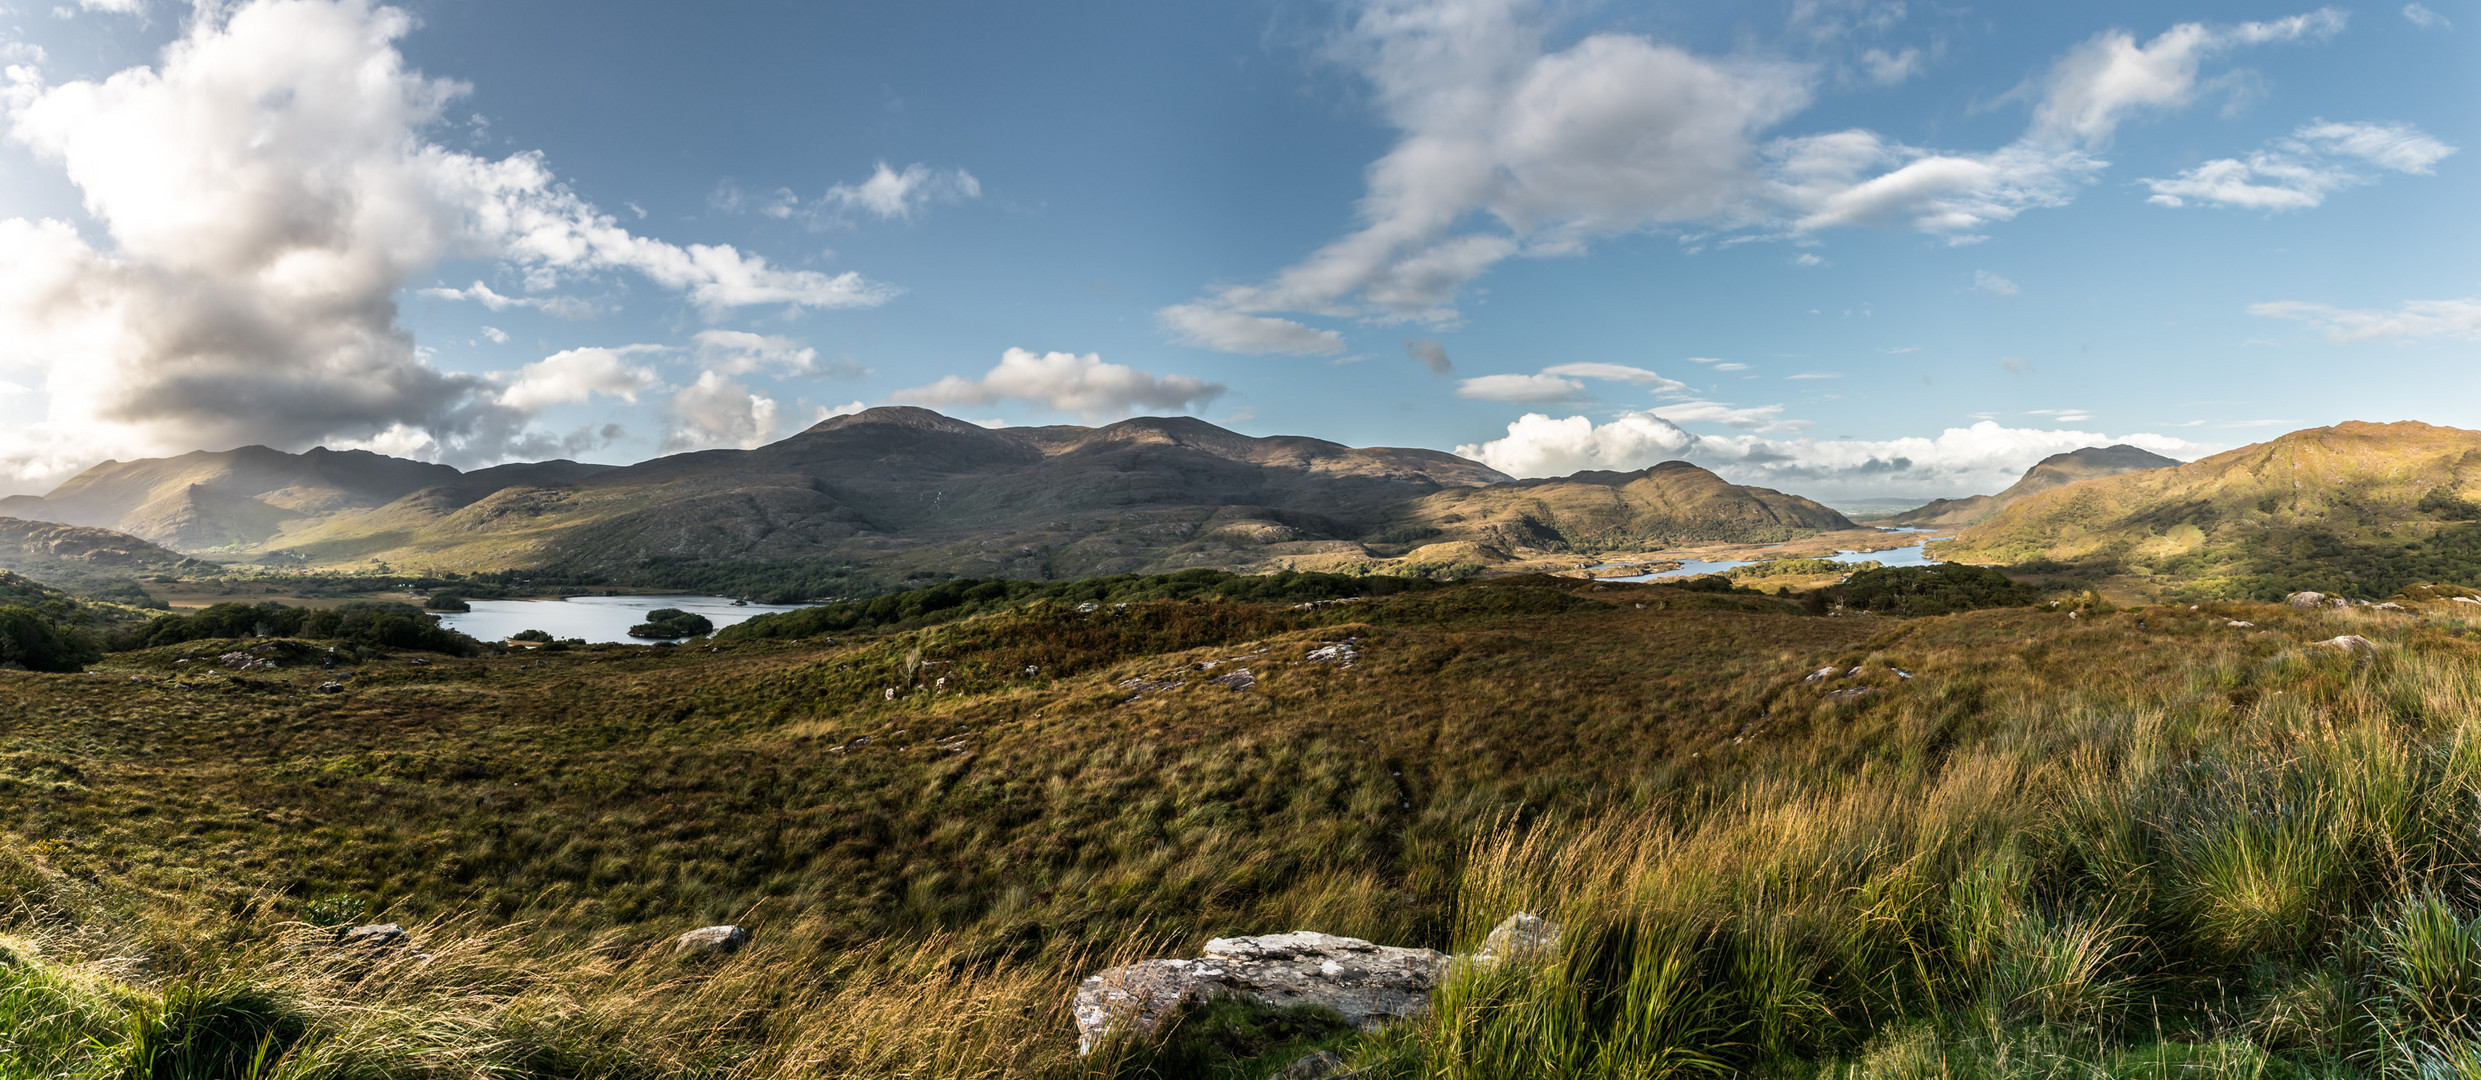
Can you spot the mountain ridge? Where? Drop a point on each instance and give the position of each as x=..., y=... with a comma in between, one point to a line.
x=900, y=491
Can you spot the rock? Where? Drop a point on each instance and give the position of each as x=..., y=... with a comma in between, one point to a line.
x=2388, y=606
x=1849, y=694
x=373, y=936
x=2465, y=599
x=2315, y=600
x=1323, y=1065
x=1366, y=984
x=2350, y=643
x=712, y=941
x=2239, y=622
x=1238, y=680
x=1522, y=938
x=1823, y=674
x=1340, y=653
x=331, y=688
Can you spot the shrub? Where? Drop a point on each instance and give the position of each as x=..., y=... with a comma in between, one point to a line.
x=1940, y=589
x=446, y=601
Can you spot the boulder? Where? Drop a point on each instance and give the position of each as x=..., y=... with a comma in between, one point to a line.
x=2350, y=643
x=712, y=941
x=1522, y=938
x=2315, y=600
x=1823, y=674
x=1323, y=1065
x=1238, y=680
x=1364, y=983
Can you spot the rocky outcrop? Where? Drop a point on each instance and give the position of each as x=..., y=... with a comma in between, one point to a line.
x=2315, y=600
x=1364, y=983
x=712, y=941
x=2354, y=644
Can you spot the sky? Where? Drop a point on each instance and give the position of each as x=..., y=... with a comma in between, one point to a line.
x=1853, y=249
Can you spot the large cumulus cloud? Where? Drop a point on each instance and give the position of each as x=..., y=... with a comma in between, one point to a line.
x=257, y=199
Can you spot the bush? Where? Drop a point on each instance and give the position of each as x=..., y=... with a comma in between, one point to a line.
x=1939, y=589
x=531, y=635
x=446, y=601
x=32, y=641
x=672, y=623
x=381, y=625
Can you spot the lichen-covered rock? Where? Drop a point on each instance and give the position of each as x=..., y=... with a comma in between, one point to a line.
x=1520, y=938
x=712, y=941
x=2350, y=643
x=1365, y=983
x=2316, y=600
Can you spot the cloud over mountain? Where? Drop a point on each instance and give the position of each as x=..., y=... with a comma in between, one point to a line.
x=1982, y=458
x=1069, y=382
x=263, y=193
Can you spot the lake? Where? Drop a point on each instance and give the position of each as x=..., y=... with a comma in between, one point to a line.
x=1908, y=555
x=597, y=619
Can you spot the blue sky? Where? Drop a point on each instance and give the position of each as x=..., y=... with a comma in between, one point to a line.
x=1854, y=250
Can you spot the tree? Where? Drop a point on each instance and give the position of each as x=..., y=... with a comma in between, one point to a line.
x=671, y=623
x=30, y=641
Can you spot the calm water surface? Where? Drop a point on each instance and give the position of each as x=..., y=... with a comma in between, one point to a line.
x=1908, y=555
x=595, y=618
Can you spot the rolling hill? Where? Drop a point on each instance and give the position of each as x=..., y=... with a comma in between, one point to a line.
x=2361, y=509
x=2055, y=471
x=893, y=493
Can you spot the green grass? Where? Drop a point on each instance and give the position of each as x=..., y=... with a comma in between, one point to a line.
x=2131, y=843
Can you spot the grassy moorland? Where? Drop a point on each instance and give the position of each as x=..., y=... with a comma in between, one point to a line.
x=2023, y=841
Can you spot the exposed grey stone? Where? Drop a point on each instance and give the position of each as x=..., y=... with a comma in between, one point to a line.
x=1238, y=680
x=2350, y=643
x=712, y=940
x=1323, y=1065
x=331, y=687
x=1823, y=674
x=1521, y=938
x=373, y=936
x=1366, y=984
x=2316, y=600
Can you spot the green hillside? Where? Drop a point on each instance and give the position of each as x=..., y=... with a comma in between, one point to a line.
x=2356, y=509
x=2057, y=840
x=2055, y=471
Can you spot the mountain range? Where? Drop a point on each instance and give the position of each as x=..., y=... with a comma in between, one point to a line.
x=2055, y=471
x=2358, y=508
x=896, y=492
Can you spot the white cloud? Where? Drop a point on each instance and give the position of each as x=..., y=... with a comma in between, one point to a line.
x=2098, y=84
x=263, y=193
x=1989, y=282
x=1068, y=382
x=1209, y=327
x=1808, y=258
x=1813, y=375
x=1985, y=457
x=739, y=352
x=1761, y=418
x=2297, y=172
x=1537, y=445
x=1719, y=365
x=1508, y=148
x=576, y=374
x=893, y=194
x=1889, y=68
x=497, y=335
x=1519, y=389
x=2422, y=17
x=1611, y=134
x=564, y=307
x=1633, y=376
x=116, y=7
x=828, y=412
x=2412, y=319
x=716, y=411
